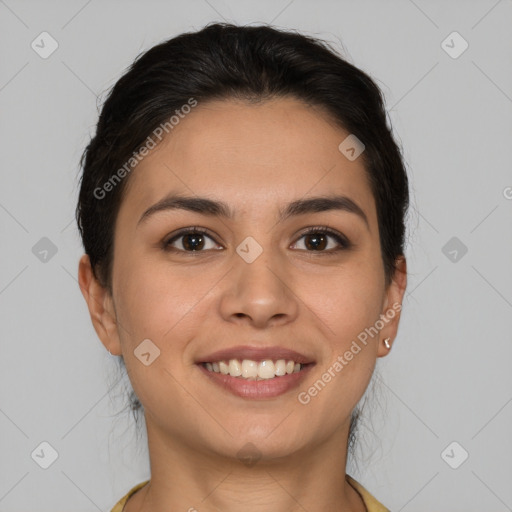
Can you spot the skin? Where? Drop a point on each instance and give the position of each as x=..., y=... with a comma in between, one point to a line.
x=256, y=158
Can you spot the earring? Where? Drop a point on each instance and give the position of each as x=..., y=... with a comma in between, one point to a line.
x=386, y=342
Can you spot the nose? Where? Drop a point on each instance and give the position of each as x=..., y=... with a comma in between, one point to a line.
x=259, y=293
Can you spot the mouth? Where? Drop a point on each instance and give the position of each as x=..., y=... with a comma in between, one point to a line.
x=256, y=373
x=249, y=369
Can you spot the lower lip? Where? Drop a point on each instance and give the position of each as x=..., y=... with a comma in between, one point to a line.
x=257, y=389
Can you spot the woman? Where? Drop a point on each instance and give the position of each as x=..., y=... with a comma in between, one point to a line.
x=242, y=212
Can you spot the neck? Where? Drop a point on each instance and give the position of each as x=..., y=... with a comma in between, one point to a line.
x=184, y=478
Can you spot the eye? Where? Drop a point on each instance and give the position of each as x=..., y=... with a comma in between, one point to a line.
x=192, y=240
x=317, y=240
x=195, y=239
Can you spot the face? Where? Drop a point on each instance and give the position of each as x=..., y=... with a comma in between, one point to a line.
x=251, y=280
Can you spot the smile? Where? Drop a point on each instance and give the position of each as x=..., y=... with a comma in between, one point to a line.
x=251, y=385
x=254, y=370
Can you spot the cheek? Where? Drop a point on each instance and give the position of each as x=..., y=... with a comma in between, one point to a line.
x=153, y=298
x=347, y=299
x=153, y=303
x=348, y=304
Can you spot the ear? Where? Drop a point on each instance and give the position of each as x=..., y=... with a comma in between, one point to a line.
x=101, y=307
x=392, y=305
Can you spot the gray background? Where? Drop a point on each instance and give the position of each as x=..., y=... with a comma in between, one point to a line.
x=448, y=377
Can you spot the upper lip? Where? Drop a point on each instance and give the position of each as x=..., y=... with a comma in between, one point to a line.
x=242, y=352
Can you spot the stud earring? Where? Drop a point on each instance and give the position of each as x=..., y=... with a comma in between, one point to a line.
x=386, y=342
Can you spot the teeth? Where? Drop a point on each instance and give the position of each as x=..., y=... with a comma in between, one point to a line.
x=266, y=370
x=249, y=369
x=253, y=370
x=235, y=368
x=223, y=367
x=280, y=367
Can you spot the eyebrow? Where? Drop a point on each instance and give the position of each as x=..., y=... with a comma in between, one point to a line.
x=212, y=208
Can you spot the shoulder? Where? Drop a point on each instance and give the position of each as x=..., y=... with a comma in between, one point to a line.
x=372, y=505
x=118, y=507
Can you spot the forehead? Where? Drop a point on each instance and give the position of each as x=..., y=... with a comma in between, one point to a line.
x=254, y=154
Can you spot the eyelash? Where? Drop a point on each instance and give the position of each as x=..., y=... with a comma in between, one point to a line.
x=342, y=240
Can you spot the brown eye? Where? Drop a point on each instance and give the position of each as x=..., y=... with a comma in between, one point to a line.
x=192, y=240
x=317, y=240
